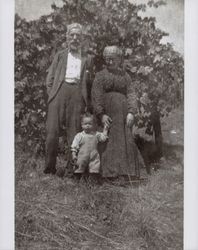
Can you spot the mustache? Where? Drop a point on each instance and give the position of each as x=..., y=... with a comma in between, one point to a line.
x=75, y=42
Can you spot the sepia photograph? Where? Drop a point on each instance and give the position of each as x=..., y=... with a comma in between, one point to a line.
x=99, y=124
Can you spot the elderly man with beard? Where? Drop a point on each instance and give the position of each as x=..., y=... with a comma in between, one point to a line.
x=68, y=86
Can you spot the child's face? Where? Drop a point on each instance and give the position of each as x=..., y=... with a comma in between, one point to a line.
x=87, y=124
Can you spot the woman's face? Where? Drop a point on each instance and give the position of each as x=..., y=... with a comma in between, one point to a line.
x=113, y=61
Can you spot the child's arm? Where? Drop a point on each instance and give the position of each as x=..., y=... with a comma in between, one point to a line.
x=76, y=146
x=74, y=156
x=102, y=137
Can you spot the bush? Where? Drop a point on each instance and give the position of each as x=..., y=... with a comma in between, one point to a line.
x=156, y=68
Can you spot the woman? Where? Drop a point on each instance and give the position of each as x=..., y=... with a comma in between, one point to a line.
x=114, y=104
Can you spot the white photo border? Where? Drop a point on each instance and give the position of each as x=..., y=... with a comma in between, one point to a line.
x=7, y=12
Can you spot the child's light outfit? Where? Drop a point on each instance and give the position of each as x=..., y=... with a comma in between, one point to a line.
x=85, y=145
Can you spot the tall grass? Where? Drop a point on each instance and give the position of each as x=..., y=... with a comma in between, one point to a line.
x=55, y=213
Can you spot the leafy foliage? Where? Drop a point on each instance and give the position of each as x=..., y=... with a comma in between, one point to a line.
x=156, y=68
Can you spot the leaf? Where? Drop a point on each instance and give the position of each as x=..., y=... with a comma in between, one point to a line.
x=18, y=109
x=145, y=70
x=145, y=99
x=25, y=54
x=158, y=48
x=133, y=69
x=29, y=143
x=157, y=58
x=91, y=7
x=18, y=22
x=128, y=51
x=18, y=31
x=27, y=98
x=43, y=63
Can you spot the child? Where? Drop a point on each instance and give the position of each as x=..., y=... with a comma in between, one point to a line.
x=84, y=147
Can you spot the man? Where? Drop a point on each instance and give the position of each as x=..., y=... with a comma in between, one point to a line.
x=68, y=87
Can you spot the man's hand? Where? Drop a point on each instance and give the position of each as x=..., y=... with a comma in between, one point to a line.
x=130, y=120
x=106, y=120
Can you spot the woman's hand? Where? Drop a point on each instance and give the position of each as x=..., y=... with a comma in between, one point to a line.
x=130, y=120
x=106, y=120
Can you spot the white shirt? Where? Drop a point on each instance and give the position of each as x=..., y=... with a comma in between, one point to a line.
x=73, y=68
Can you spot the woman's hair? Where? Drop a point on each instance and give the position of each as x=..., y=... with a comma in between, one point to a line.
x=112, y=51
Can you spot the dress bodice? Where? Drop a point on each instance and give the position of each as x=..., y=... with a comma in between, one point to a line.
x=114, y=82
x=106, y=81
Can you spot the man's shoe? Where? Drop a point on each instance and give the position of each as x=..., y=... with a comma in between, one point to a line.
x=60, y=172
x=49, y=171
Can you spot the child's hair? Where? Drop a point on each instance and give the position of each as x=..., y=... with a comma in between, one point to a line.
x=88, y=115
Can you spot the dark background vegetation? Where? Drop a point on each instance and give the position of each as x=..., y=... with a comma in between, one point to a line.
x=156, y=68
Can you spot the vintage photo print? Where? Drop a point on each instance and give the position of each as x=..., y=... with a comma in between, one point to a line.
x=99, y=124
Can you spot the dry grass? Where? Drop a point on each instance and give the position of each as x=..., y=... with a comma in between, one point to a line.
x=54, y=213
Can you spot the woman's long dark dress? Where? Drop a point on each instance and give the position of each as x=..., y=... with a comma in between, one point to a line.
x=113, y=95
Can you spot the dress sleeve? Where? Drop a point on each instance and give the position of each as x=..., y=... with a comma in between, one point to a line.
x=101, y=137
x=97, y=96
x=76, y=143
x=131, y=96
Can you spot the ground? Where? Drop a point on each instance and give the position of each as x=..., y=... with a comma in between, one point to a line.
x=58, y=213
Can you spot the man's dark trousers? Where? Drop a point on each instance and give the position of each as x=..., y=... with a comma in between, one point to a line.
x=64, y=112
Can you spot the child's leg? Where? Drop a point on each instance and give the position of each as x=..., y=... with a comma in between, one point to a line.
x=94, y=168
x=81, y=165
x=94, y=162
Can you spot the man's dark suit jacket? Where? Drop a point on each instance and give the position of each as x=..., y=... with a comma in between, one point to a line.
x=57, y=71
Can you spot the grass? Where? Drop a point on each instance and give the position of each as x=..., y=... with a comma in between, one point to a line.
x=54, y=213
